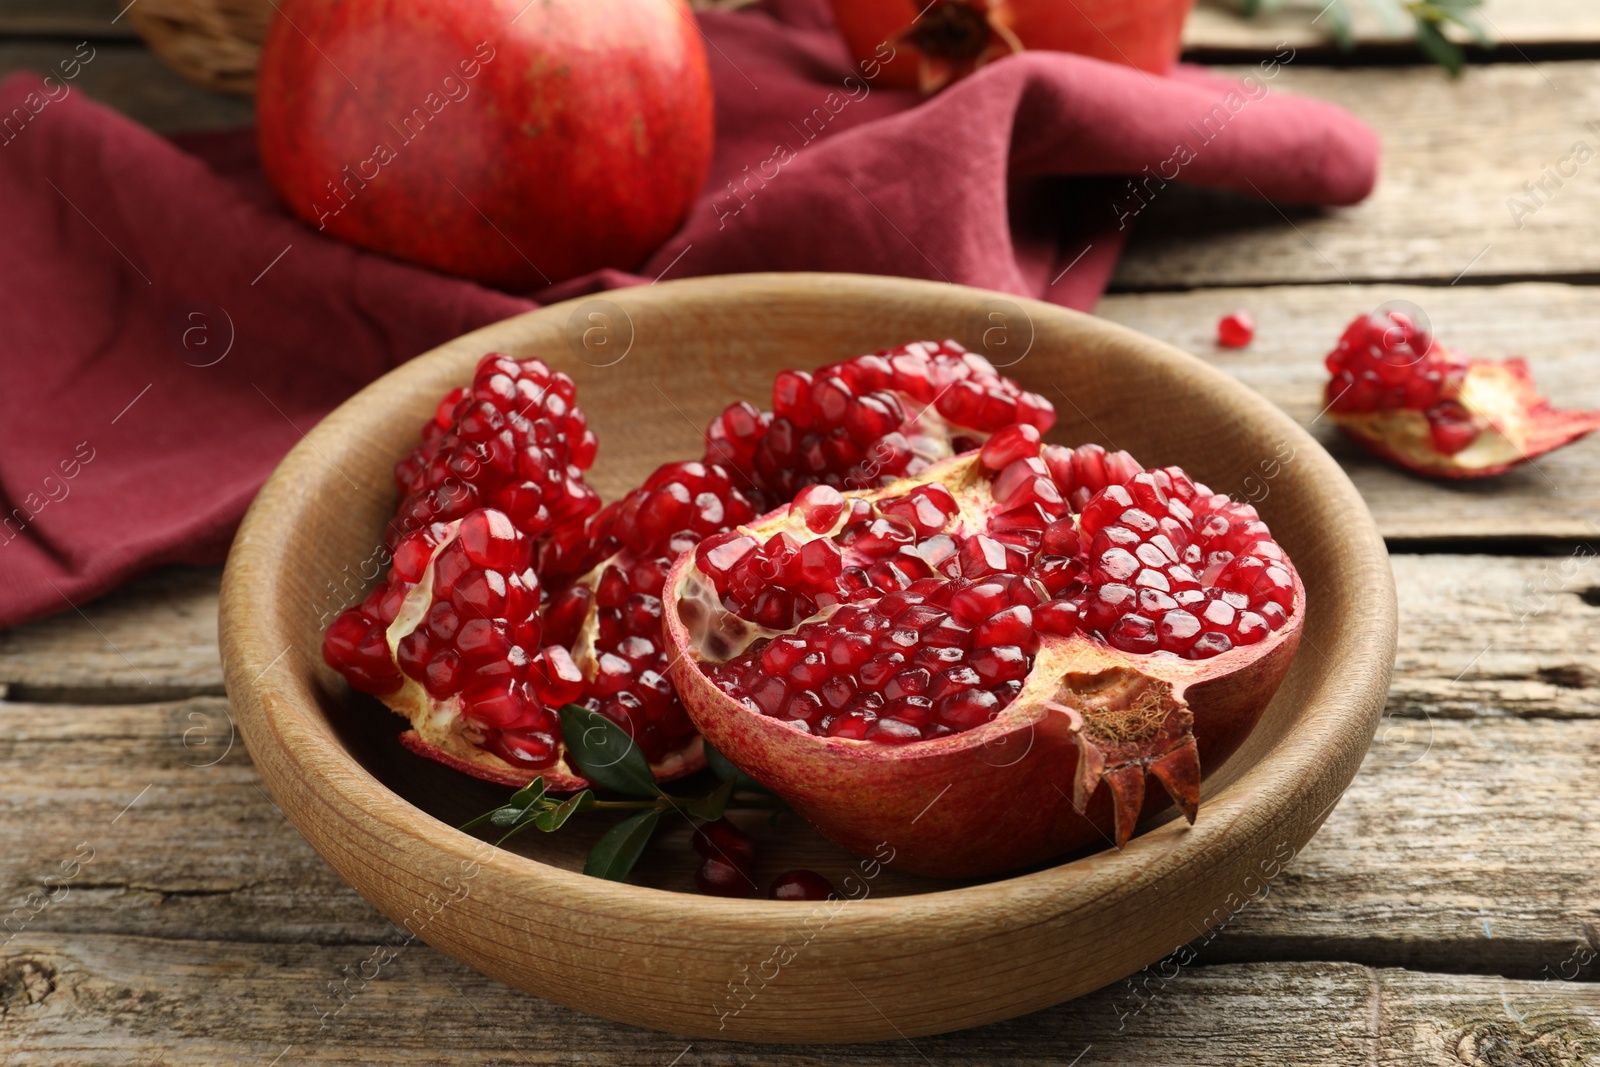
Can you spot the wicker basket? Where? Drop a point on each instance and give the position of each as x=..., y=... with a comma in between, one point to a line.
x=217, y=43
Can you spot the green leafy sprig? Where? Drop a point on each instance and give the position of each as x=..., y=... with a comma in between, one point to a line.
x=1429, y=18
x=603, y=752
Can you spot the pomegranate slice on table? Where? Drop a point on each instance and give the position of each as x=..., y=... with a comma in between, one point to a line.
x=1415, y=403
x=956, y=663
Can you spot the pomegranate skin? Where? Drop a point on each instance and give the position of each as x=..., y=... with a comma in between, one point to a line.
x=515, y=145
x=1146, y=34
x=994, y=798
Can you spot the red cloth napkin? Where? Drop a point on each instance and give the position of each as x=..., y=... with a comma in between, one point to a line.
x=167, y=332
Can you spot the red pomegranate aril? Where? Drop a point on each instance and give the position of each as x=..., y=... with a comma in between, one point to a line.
x=1019, y=441
x=801, y=885
x=1236, y=330
x=517, y=440
x=1058, y=617
x=821, y=505
x=720, y=839
x=719, y=879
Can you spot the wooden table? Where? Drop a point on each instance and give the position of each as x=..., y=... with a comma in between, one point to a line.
x=1448, y=912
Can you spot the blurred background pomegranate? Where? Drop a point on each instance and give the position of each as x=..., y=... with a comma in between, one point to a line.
x=950, y=38
x=518, y=144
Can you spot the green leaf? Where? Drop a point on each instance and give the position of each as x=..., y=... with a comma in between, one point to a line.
x=1392, y=14
x=528, y=795
x=614, y=855
x=1438, y=47
x=515, y=816
x=552, y=819
x=1343, y=28
x=713, y=805
x=605, y=754
x=723, y=768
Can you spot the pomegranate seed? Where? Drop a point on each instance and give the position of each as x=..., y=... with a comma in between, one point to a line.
x=801, y=885
x=722, y=840
x=718, y=879
x=1009, y=444
x=1236, y=330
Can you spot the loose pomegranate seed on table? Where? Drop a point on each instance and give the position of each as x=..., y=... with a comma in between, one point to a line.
x=1236, y=329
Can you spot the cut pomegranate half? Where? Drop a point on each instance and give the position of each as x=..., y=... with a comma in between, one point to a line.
x=1413, y=402
x=953, y=664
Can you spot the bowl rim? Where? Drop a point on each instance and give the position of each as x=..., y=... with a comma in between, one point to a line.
x=301, y=759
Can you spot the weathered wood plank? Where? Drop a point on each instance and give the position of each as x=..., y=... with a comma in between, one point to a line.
x=128, y=77
x=1475, y=804
x=92, y=19
x=1553, y=325
x=153, y=639
x=1455, y=152
x=112, y=1000
x=1216, y=25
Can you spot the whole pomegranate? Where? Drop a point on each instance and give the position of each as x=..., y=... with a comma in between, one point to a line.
x=955, y=663
x=914, y=43
x=511, y=142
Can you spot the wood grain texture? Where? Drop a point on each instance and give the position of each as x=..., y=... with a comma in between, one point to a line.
x=80, y=19
x=1455, y=150
x=1216, y=25
x=128, y=77
x=1553, y=325
x=1494, y=713
x=153, y=639
x=110, y=1000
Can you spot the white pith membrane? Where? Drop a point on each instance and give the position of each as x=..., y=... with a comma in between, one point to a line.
x=1497, y=412
x=442, y=725
x=1125, y=709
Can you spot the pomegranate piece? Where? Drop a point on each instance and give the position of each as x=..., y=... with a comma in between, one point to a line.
x=457, y=621
x=1411, y=401
x=608, y=607
x=1020, y=617
x=1236, y=329
x=514, y=440
x=866, y=421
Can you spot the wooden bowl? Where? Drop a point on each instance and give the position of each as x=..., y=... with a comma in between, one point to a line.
x=911, y=956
